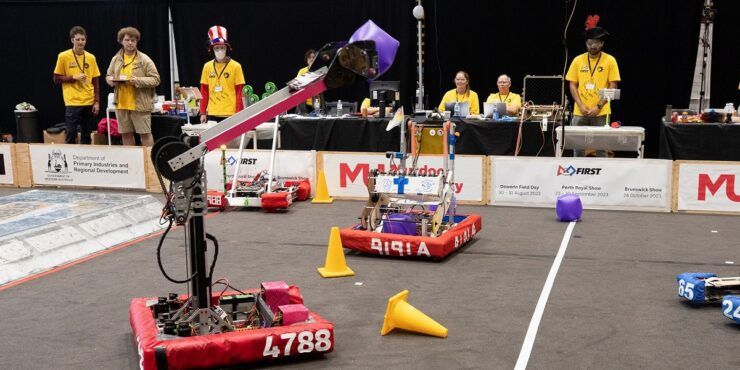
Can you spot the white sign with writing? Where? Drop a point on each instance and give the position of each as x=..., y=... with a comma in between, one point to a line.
x=85, y=165
x=288, y=164
x=709, y=186
x=347, y=173
x=6, y=164
x=601, y=183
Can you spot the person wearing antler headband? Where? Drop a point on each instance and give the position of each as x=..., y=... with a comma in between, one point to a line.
x=589, y=73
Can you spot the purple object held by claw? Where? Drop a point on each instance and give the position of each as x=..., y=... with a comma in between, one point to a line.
x=569, y=207
x=386, y=45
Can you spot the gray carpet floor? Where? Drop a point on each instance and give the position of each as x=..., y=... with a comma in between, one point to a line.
x=613, y=303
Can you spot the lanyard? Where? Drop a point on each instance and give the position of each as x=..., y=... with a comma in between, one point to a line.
x=588, y=58
x=464, y=95
x=218, y=75
x=129, y=63
x=81, y=67
x=504, y=99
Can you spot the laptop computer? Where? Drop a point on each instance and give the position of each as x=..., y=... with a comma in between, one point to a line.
x=489, y=108
x=464, y=109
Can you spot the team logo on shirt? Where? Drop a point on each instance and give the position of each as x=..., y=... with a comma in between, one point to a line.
x=212, y=74
x=600, y=69
x=226, y=75
x=584, y=68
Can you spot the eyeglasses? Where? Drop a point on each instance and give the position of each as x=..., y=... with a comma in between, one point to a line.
x=503, y=82
x=594, y=42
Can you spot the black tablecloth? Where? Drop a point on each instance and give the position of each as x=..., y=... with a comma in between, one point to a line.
x=341, y=134
x=700, y=141
x=369, y=135
x=165, y=125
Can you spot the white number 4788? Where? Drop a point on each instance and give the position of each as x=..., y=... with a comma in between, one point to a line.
x=306, y=343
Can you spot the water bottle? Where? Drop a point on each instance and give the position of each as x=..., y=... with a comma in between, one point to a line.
x=339, y=108
x=729, y=111
x=456, y=112
x=495, y=112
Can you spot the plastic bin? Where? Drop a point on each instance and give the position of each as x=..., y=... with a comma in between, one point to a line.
x=27, y=127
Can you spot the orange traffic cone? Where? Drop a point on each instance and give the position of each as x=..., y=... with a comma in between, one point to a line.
x=322, y=193
x=400, y=314
x=335, y=265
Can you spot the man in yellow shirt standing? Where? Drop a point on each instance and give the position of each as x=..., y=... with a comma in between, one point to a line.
x=221, y=81
x=504, y=95
x=589, y=73
x=133, y=76
x=77, y=71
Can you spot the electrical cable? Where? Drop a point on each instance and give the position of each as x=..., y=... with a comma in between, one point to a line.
x=565, y=66
x=159, y=258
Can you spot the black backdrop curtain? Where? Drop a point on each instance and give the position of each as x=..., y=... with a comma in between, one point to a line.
x=35, y=32
x=654, y=42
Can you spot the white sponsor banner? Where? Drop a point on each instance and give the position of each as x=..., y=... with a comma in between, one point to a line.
x=85, y=165
x=601, y=183
x=709, y=186
x=347, y=173
x=6, y=164
x=288, y=164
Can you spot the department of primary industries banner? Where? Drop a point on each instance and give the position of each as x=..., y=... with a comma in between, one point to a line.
x=6, y=164
x=88, y=165
x=601, y=183
x=288, y=164
x=347, y=173
x=708, y=186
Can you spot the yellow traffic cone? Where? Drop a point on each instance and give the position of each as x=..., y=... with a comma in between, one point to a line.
x=322, y=193
x=400, y=314
x=335, y=265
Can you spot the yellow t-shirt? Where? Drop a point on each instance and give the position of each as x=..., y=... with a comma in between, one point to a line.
x=223, y=77
x=603, y=69
x=126, y=98
x=78, y=93
x=302, y=72
x=452, y=96
x=511, y=98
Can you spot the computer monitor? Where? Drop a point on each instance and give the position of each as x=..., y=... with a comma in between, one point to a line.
x=464, y=109
x=385, y=93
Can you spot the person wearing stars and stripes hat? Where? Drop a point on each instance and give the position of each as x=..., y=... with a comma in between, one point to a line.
x=221, y=81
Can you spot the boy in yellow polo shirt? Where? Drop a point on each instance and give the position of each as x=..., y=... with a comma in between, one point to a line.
x=77, y=71
x=221, y=81
x=589, y=73
x=504, y=95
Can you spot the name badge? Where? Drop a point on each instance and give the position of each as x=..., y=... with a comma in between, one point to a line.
x=218, y=88
x=590, y=86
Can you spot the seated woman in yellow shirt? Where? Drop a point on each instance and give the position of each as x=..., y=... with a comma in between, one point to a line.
x=504, y=95
x=461, y=93
x=368, y=111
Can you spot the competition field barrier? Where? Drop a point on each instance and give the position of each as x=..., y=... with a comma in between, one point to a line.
x=612, y=184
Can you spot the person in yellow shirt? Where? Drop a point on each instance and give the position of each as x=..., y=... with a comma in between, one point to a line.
x=308, y=58
x=77, y=71
x=134, y=77
x=589, y=73
x=504, y=95
x=221, y=81
x=461, y=93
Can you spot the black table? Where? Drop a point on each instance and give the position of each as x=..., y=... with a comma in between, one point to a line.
x=700, y=141
x=369, y=135
x=340, y=134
